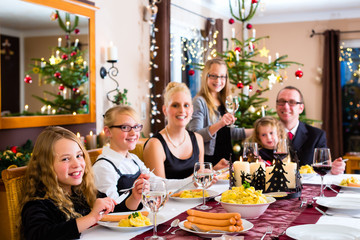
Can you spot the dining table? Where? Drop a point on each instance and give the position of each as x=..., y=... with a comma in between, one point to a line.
x=281, y=215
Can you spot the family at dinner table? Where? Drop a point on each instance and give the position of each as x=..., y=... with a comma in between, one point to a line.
x=65, y=194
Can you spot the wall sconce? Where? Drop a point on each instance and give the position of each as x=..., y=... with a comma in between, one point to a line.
x=113, y=71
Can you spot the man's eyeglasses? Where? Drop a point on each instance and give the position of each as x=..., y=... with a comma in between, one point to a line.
x=292, y=103
x=215, y=77
x=127, y=128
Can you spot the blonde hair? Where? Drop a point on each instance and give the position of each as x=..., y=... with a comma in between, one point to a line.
x=205, y=91
x=110, y=115
x=41, y=180
x=268, y=121
x=174, y=87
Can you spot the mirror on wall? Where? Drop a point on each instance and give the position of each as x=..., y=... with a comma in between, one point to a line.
x=47, y=57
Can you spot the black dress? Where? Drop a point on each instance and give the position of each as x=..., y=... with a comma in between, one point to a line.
x=223, y=145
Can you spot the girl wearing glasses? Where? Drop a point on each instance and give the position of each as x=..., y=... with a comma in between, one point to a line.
x=116, y=168
x=210, y=118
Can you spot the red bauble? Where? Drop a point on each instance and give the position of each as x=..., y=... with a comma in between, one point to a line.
x=83, y=102
x=299, y=74
x=254, y=1
x=76, y=30
x=248, y=26
x=191, y=72
x=250, y=87
x=237, y=49
x=73, y=53
x=75, y=89
x=87, y=74
x=65, y=57
x=240, y=85
x=258, y=91
x=57, y=75
x=59, y=93
x=67, y=37
x=231, y=20
x=28, y=79
x=14, y=149
x=61, y=87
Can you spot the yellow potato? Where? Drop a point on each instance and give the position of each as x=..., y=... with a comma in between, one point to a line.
x=196, y=193
x=306, y=169
x=135, y=220
x=240, y=195
x=351, y=180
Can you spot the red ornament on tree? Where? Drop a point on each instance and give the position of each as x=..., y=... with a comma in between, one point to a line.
x=254, y=1
x=258, y=91
x=87, y=74
x=73, y=53
x=191, y=72
x=76, y=31
x=67, y=37
x=299, y=73
x=28, y=79
x=57, y=75
x=14, y=149
x=248, y=26
x=237, y=49
x=75, y=89
x=65, y=57
x=61, y=87
x=240, y=85
x=231, y=20
x=250, y=87
x=83, y=102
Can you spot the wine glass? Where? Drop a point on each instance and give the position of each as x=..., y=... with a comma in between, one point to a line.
x=153, y=198
x=203, y=174
x=281, y=150
x=250, y=153
x=322, y=164
x=231, y=105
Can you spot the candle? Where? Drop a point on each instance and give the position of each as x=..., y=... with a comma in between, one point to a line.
x=277, y=55
x=81, y=138
x=43, y=108
x=269, y=59
x=48, y=109
x=262, y=111
x=59, y=42
x=42, y=63
x=102, y=138
x=233, y=32
x=237, y=55
x=246, y=90
x=53, y=111
x=112, y=52
x=243, y=12
x=57, y=54
x=64, y=93
x=254, y=33
x=290, y=169
x=251, y=47
x=26, y=107
x=240, y=166
x=76, y=42
x=85, y=64
x=90, y=141
x=72, y=64
x=67, y=25
x=254, y=166
x=268, y=170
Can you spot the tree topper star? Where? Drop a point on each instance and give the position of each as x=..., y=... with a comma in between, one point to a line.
x=264, y=52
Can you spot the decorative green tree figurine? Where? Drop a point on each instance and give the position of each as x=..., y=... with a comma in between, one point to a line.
x=68, y=69
x=245, y=70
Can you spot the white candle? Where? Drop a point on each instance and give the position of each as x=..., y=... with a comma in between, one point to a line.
x=240, y=166
x=277, y=55
x=90, y=141
x=57, y=54
x=254, y=166
x=237, y=55
x=112, y=52
x=262, y=111
x=42, y=63
x=269, y=59
x=251, y=47
x=81, y=138
x=243, y=12
x=85, y=64
x=102, y=138
x=254, y=33
x=26, y=107
x=233, y=32
x=246, y=90
x=290, y=168
x=268, y=170
x=67, y=25
x=43, y=108
x=76, y=42
x=59, y=42
x=53, y=111
x=72, y=64
x=48, y=109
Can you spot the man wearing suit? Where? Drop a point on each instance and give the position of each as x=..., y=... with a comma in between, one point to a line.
x=304, y=138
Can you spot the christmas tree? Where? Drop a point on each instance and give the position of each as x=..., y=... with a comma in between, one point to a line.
x=246, y=71
x=67, y=69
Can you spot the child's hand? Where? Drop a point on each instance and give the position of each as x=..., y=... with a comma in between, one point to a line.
x=137, y=190
x=102, y=206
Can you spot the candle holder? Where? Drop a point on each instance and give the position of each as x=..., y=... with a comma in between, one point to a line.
x=231, y=173
x=258, y=179
x=112, y=73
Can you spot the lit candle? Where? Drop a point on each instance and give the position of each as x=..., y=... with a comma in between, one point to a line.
x=243, y=12
x=53, y=111
x=64, y=93
x=290, y=169
x=43, y=108
x=90, y=141
x=254, y=166
x=26, y=107
x=59, y=42
x=254, y=33
x=233, y=32
x=76, y=42
x=240, y=166
x=237, y=55
x=246, y=90
x=112, y=52
x=67, y=25
x=81, y=138
x=48, y=109
x=262, y=111
x=42, y=63
x=85, y=64
x=57, y=54
x=251, y=47
x=268, y=170
x=72, y=64
x=269, y=57
x=277, y=55
x=102, y=138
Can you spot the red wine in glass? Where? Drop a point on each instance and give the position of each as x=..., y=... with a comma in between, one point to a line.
x=280, y=155
x=322, y=169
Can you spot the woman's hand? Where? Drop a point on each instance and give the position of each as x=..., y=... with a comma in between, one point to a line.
x=338, y=166
x=223, y=163
x=227, y=119
x=102, y=206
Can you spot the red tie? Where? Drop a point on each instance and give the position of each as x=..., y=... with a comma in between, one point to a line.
x=290, y=135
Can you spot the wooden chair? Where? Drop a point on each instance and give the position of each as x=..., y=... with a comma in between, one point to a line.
x=14, y=180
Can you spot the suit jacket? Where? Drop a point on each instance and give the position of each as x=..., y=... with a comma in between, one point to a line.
x=306, y=139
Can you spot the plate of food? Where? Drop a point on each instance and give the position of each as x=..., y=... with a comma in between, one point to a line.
x=193, y=195
x=223, y=178
x=345, y=203
x=129, y=221
x=322, y=231
x=245, y=224
x=352, y=183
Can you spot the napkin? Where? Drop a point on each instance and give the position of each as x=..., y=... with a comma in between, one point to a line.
x=342, y=221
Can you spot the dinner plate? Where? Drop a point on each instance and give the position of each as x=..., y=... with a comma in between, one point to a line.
x=347, y=203
x=277, y=195
x=322, y=231
x=212, y=194
x=246, y=224
x=115, y=225
x=347, y=187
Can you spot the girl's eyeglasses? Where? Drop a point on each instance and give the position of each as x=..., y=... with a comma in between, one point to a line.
x=127, y=128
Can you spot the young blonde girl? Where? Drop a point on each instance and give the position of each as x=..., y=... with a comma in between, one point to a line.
x=59, y=199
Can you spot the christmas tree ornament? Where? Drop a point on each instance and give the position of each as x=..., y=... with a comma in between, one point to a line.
x=76, y=31
x=36, y=70
x=250, y=87
x=237, y=49
x=240, y=85
x=254, y=1
x=28, y=79
x=73, y=53
x=191, y=72
x=236, y=148
x=53, y=16
x=75, y=90
x=83, y=102
x=264, y=52
x=57, y=74
x=65, y=57
x=258, y=91
x=299, y=73
x=231, y=21
x=249, y=26
x=61, y=87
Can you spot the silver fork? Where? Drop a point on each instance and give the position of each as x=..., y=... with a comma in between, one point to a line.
x=126, y=190
x=322, y=212
x=269, y=230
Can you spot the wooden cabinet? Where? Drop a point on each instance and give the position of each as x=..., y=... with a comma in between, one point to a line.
x=353, y=163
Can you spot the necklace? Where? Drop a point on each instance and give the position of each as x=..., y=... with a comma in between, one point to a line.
x=168, y=136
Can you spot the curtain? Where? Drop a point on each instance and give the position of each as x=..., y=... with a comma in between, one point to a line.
x=331, y=99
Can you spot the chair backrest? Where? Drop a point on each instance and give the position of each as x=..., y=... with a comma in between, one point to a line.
x=14, y=181
x=94, y=153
